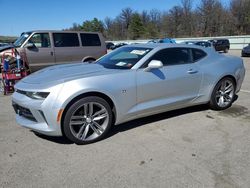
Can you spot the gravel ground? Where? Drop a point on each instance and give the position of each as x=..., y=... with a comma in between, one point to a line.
x=192, y=147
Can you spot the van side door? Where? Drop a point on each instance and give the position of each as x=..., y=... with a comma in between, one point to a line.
x=67, y=47
x=39, y=51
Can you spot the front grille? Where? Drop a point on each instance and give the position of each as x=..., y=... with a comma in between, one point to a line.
x=24, y=112
x=21, y=92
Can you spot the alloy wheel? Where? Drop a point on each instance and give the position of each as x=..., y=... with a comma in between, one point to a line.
x=89, y=121
x=225, y=93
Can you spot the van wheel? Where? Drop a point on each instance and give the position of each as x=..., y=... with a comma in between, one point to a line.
x=226, y=50
x=87, y=120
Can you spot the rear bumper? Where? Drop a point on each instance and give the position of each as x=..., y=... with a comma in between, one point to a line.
x=245, y=54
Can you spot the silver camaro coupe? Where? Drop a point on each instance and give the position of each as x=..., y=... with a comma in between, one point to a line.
x=82, y=101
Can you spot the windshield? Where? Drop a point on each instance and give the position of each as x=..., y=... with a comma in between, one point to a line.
x=123, y=58
x=21, y=39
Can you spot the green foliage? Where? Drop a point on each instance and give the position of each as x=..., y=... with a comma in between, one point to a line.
x=151, y=31
x=94, y=25
x=136, y=28
x=7, y=39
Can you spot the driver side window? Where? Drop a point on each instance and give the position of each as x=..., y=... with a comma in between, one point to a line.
x=173, y=56
x=40, y=40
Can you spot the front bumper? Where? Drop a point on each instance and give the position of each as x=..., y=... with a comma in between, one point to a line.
x=37, y=115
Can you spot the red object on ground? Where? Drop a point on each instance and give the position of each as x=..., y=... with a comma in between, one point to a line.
x=10, y=77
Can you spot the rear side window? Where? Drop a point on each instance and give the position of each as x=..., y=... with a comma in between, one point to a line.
x=89, y=39
x=198, y=54
x=65, y=39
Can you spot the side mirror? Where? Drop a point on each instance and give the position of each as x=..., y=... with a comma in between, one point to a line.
x=154, y=64
x=30, y=45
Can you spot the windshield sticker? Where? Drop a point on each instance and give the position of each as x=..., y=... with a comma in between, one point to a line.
x=138, y=52
x=121, y=64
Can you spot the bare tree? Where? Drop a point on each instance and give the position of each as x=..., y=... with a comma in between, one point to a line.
x=187, y=19
x=240, y=10
x=209, y=18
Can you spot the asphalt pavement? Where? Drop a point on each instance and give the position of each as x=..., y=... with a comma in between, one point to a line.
x=192, y=147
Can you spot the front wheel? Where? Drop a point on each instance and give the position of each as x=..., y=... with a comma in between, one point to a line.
x=223, y=94
x=87, y=120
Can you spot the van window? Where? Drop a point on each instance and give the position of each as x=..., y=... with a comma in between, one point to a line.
x=65, y=39
x=19, y=42
x=89, y=39
x=40, y=40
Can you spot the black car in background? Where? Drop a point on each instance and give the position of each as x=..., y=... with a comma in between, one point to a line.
x=199, y=43
x=245, y=51
x=109, y=45
x=117, y=45
x=221, y=44
x=3, y=44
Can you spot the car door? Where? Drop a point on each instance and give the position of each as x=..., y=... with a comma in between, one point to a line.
x=39, y=51
x=176, y=84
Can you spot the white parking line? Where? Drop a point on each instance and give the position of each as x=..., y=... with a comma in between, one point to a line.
x=244, y=91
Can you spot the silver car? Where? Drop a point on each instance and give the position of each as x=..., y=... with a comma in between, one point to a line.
x=82, y=101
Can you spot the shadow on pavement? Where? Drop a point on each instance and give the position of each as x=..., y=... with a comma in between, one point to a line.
x=154, y=118
x=56, y=139
x=132, y=124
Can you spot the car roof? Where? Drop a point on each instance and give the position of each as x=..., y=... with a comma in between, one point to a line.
x=159, y=46
x=219, y=39
x=165, y=45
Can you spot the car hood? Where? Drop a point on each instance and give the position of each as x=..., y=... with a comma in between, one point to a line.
x=5, y=47
x=62, y=73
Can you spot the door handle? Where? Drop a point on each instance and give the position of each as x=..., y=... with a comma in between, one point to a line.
x=51, y=53
x=191, y=71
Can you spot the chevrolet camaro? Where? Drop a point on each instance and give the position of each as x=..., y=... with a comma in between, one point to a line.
x=82, y=101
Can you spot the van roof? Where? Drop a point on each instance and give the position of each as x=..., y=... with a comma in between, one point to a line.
x=60, y=31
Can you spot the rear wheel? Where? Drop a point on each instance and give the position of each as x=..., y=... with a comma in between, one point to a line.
x=226, y=50
x=223, y=94
x=87, y=120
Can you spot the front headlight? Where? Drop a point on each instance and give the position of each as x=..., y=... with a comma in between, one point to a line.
x=37, y=95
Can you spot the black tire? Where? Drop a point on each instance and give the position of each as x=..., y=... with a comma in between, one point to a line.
x=79, y=107
x=213, y=101
x=226, y=50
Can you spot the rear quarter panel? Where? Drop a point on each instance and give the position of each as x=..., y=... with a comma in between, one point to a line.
x=216, y=66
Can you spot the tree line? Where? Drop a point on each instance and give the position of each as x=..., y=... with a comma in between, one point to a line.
x=207, y=18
